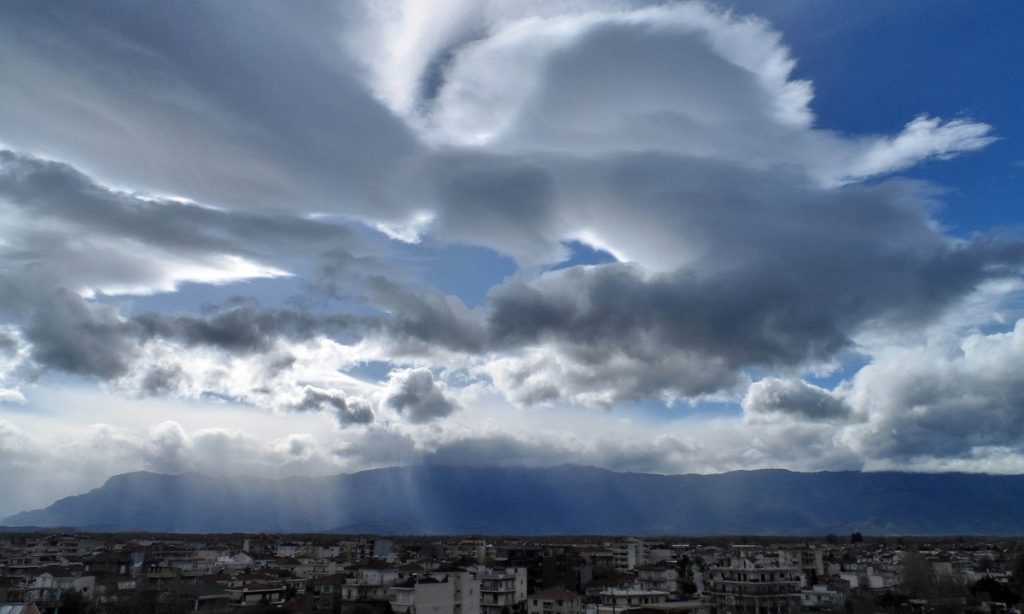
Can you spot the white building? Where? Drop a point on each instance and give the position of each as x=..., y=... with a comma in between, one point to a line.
x=292, y=549
x=865, y=578
x=256, y=594
x=658, y=578
x=501, y=588
x=235, y=562
x=437, y=593
x=627, y=554
x=820, y=597
x=616, y=600
x=745, y=586
x=810, y=562
x=50, y=587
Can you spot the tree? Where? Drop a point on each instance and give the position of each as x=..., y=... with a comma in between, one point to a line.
x=685, y=571
x=916, y=575
x=856, y=538
x=1018, y=573
x=990, y=589
x=74, y=602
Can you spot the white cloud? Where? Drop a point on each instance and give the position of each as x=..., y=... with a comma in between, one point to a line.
x=921, y=139
x=941, y=399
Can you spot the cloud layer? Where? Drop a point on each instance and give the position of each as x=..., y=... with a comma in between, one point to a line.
x=300, y=166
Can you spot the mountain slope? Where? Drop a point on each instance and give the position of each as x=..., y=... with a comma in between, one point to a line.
x=555, y=500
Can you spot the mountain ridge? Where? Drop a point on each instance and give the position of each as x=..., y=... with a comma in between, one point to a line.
x=558, y=500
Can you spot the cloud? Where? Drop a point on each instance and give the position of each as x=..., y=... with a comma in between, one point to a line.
x=773, y=398
x=415, y=395
x=707, y=446
x=420, y=320
x=14, y=365
x=739, y=260
x=777, y=298
x=346, y=410
x=65, y=229
x=70, y=241
x=674, y=136
x=38, y=468
x=563, y=78
x=923, y=138
x=145, y=101
x=943, y=399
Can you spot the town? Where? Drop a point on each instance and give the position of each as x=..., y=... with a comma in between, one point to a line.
x=72, y=573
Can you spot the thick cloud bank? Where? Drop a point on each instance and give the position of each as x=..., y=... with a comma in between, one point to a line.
x=159, y=173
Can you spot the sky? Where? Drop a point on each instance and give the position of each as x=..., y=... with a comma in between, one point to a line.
x=302, y=238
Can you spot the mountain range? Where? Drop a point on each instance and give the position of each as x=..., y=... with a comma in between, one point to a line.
x=561, y=500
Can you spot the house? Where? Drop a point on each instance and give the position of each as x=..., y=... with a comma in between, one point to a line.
x=821, y=598
x=554, y=601
x=256, y=593
x=291, y=549
x=50, y=586
x=327, y=591
x=619, y=599
x=235, y=562
x=205, y=597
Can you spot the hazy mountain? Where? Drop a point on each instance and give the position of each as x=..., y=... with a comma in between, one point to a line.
x=556, y=500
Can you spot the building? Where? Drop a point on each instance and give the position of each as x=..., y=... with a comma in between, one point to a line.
x=618, y=600
x=821, y=598
x=627, y=554
x=256, y=594
x=454, y=592
x=549, y=566
x=810, y=562
x=422, y=595
x=501, y=589
x=663, y=577
x=48, y=588
x=205, y=598
x=554, y=601
x=745, y=587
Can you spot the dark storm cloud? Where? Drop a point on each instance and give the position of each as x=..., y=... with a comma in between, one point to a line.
x=422, y=318
x=241, y=330
x=775, y=398
x=346, y=410
x=162, y=380
x=77, y=336
x=414, y=394
x=65, y=236
x=58, y=193
x=762, y=269
x=8, y=343
x=505, y=201
x=72, y=336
